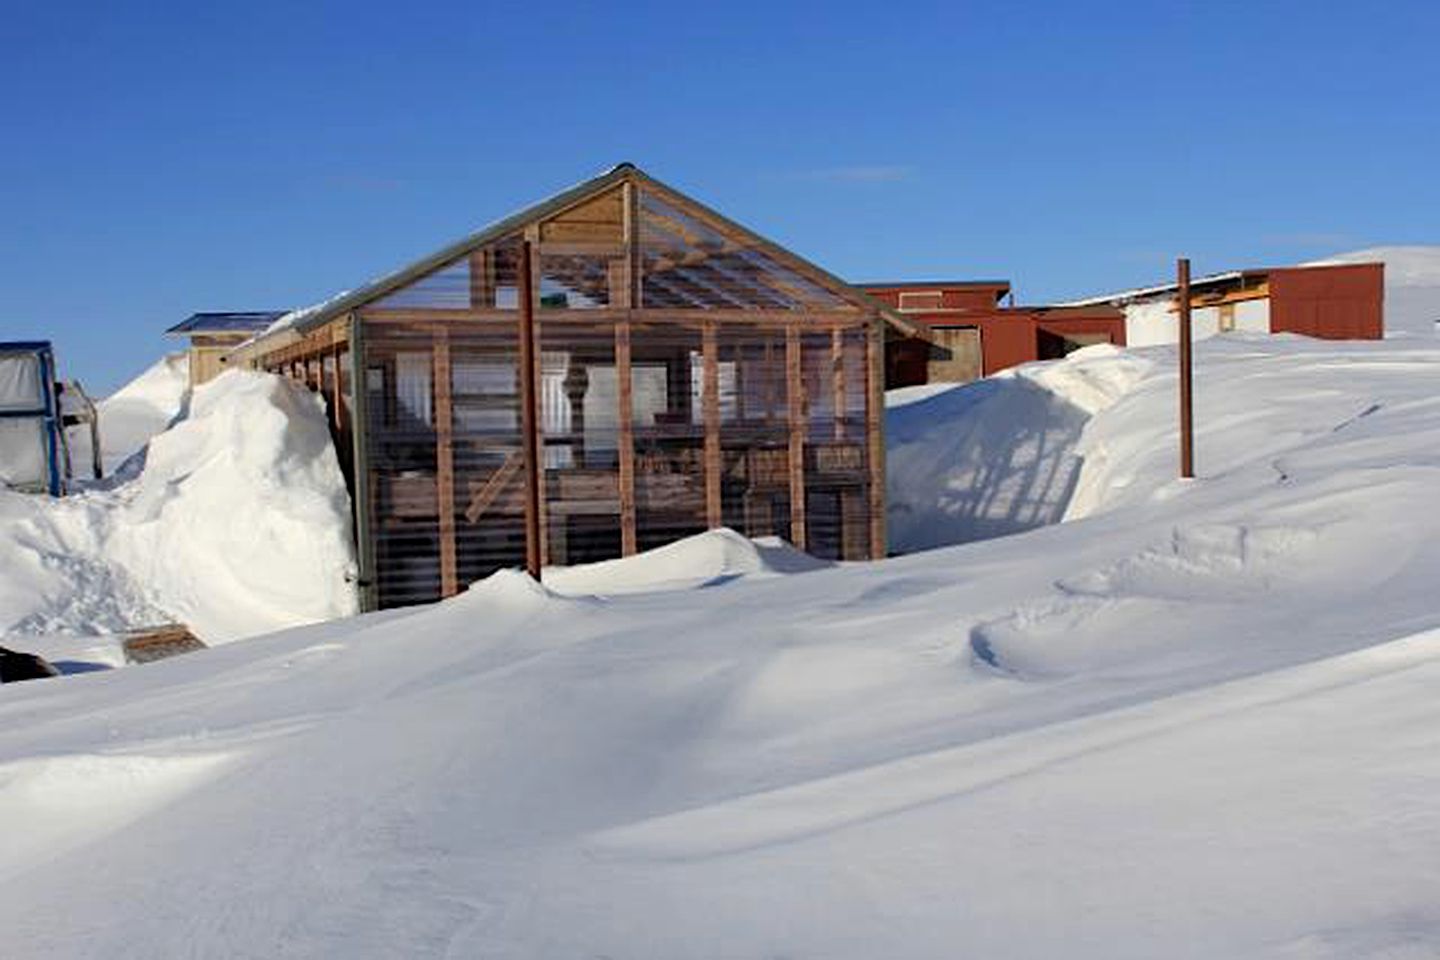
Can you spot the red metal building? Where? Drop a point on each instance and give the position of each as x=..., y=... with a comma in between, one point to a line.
x=967, y=332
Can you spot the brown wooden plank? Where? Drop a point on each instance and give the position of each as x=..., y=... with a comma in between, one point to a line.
x=875, y=434
x=529, y=415
x=837, y=381
x=710, y=403
x=816, y=319
x=337, y=418
x=503, y=476
x=795, y=395
x=445, y=464
x=625, y=441
x=482, y=279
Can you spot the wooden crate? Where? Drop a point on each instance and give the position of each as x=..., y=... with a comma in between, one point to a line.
x=161, y=642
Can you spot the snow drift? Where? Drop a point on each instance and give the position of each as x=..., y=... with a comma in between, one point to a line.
x=999, y=456
x=237, y=524
x=129, y=417
x=1198, y=721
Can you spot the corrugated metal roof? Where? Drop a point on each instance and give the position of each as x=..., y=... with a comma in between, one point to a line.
x=242, y=321
x=1140, y=293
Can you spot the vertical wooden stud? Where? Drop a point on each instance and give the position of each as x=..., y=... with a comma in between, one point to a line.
x=837, y=375
x=710, y=403
x=624, y=385
x=625, y=441
x=875, y=434
x=529, y=416
x=795, y=395
x=445, y=461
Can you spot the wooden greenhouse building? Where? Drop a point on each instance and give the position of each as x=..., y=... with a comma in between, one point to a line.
x=607, y=371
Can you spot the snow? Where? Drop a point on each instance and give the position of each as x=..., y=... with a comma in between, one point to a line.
x=1196, y=720
x=999, y=456
x=237, y=524
x=707, y=559
x=133, y=414
x=1412, y=286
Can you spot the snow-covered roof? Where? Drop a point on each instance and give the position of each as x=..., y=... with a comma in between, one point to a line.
x=1142, y=293
x=229, y=321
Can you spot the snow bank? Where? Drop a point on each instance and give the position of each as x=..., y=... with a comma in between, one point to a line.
x=237, y=524
x=240, y=520
x=1198, y=722
x=706, y=559
x=997, y=456
x=142, y=408
x=1412, y=286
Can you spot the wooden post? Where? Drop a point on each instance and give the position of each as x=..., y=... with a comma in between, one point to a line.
x=1187, y=412
x=875, y=434
x=837, y=374
x=361, y=493
x=445, y=462
x=795, y=395
x=714, y=463
x=628, y=297
x=482, y=279
x=529, y=415
x=625, y=440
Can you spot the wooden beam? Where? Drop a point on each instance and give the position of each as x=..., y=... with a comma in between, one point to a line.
x=482, y=278
x=631, y=199
x=625, y=440
x=837, y=381
x=795, y=394
x=695, y=315
x=503, y=476
x=337, y=411
x=529, y=415
x=710, y=402
x=445, y=464
x=875, y=434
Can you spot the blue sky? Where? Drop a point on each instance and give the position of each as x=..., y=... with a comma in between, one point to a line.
x=187, y=156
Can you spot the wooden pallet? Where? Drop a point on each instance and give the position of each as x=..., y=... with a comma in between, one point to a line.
x=149, y=644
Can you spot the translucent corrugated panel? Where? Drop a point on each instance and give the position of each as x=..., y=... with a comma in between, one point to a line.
x=482, y=280
x=579, y=410
x=688, y=263
x=485, y=513
x=669, y=436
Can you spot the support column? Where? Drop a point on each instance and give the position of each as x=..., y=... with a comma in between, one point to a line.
x=445, y=462
x=795, y=395
x=625, y=441
x=714, y=464
x=529, y=416
x=875, y=434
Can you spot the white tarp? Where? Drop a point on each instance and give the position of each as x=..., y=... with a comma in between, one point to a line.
x=22, y=452
x=22, y=439
x=20, y=387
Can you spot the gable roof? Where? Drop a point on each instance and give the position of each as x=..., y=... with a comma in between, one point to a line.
x=300, y=322
x=242, y=321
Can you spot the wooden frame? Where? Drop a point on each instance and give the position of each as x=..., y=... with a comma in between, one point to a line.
x=697, y=457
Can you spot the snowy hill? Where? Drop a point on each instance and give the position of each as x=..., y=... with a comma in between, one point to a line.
x=1197, y=720
x=237, y=523
x=130, y=416
x=1412, y=285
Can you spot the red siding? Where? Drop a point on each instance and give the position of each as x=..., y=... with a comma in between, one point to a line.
x=1333, y=303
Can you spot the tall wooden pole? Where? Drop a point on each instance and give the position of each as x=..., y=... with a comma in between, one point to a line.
x=1187, y=412
x=529, y=416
